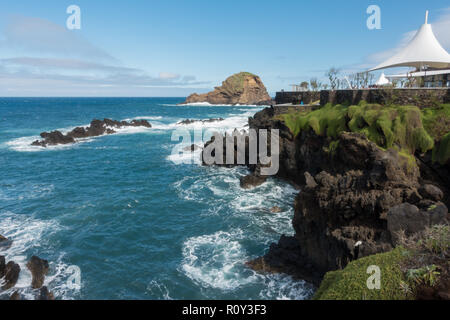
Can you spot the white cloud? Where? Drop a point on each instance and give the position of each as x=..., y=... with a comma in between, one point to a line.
x=168, y=76
x=48, y=53
x=35, y=35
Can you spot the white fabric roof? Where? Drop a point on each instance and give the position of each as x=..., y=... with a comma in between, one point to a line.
x=421, y=73
x=382, y=80
x=423, y=50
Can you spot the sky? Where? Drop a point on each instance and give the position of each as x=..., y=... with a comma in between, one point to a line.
x=168, y=48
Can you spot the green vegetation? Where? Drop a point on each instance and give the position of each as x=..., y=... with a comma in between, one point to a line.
x=441, y=153
x=406, y=128
x=351, y=282
x=419, y=262
x=236, y=81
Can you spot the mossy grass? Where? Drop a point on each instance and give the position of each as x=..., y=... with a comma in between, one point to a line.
x=406, y=128
x=236, y=81
x=351, y=282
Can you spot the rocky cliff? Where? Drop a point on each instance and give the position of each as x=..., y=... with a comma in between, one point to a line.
x=241, y=88
x=366, y=172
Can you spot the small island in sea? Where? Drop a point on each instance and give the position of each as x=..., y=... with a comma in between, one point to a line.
x=242, y=88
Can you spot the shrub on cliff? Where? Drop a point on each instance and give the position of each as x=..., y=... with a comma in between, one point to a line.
x=351, y=282
x=417, y=269
x=406, y=128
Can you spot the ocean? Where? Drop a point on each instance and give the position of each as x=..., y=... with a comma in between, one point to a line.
x=136, y=224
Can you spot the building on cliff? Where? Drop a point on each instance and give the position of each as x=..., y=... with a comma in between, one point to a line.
x=431, y=62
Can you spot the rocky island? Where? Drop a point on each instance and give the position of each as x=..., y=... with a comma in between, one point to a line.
x=241, y=88
x=95, y=129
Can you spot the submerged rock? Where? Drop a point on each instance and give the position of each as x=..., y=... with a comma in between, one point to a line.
x=12, y=271
x=2, y=266
x=241, y=88
x=45, y=294
x=39, y=269
x=15, y=296
x=95, y=129
x=276, y=209
x=251, y=181
x=189, y=121
x=192, y=148
x=5, y=243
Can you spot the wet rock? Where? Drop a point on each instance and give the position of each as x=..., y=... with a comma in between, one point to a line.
x=431, y=192
x=95, y=129
x=276, y=209
x=5, y=243
x=189, y=121
x=39, y=269
x=15, y=296
x=252, y=181
x=53, y=138
x=12, y=271
x=45, y=294
x=2, y=266
x=192, y=148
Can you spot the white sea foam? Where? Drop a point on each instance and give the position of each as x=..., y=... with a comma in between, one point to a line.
x=26, y=191
x=284, y=287
x=158, y=290
x=29, y=234
x=215, y=260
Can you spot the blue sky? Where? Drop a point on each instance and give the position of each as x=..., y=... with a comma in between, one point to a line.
x=174, y=48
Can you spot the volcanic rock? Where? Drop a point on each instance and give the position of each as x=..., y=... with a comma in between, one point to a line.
x=45, y=294
x=95, y=129
x=39, y=269
x=5, y=243
x=12, y=271
x=241, y=88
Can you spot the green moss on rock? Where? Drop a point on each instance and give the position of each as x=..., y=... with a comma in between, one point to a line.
x=351, y=282
x=404, y=127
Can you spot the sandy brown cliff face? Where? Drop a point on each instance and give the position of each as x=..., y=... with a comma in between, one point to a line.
x=240, y=88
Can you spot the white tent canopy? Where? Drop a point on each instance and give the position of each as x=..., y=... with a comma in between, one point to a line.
x=382, y=81
x=424, y=50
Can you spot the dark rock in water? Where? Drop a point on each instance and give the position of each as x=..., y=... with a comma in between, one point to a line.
x=2, y=266
x=189, y=121
x=410, y=219
x=285, y=257
x=276, y=209
x=39, y=269
x=15, y=296
x=95, y=129
x=252, y=181
x=45, y=294
x=12, y=271
x=5, y=243
x=192, y=148
x=53, y=138
x=431, y=192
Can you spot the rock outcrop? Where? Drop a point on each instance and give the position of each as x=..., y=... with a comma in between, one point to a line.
x=4, y=243
x=12, y=271
x=355, y=197
x=39, y=269
x=189, y=121
x=241, y=88
x=95, y=129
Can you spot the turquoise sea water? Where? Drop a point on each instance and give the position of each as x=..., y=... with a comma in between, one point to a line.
x=137, y=225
